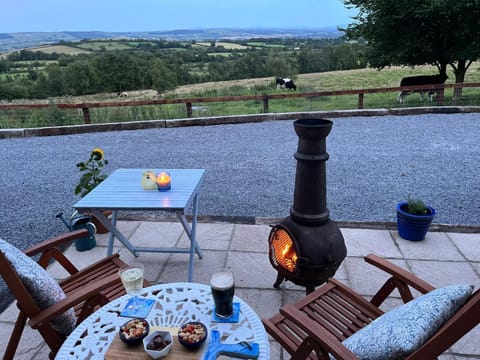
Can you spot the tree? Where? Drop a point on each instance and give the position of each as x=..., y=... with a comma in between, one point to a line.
x=407, y=32
x=278, y=64
x=55, y=84
x=116, y=71
x=159, y=77
x=80, y=78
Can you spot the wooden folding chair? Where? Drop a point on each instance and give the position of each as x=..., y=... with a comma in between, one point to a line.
x=316, y=326
x=86, y=290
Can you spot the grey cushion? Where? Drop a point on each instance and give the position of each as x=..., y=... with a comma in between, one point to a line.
x=44, y=289
x=404, y=329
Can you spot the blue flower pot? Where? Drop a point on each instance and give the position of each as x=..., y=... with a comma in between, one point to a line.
x=413, y=227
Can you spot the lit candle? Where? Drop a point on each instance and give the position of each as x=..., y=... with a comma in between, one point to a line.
x=163, y=181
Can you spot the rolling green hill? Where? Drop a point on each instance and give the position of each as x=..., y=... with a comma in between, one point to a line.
x=27, y=40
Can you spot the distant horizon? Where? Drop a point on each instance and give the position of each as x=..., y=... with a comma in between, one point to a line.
x=28, y=16
x=189, y=29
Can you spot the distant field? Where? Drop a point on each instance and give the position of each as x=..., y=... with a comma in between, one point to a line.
x=262, y=44
x=60, y=49
x=223, y=54
x=335, y=80
x=338, y=80
x=226, y=45
x=109, y=46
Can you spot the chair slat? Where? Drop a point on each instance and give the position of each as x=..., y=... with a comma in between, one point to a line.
x=73, y=285
x=333, y=312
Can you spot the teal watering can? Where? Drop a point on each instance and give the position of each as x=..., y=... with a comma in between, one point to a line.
x=77, y=222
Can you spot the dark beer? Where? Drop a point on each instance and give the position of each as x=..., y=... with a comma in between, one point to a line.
x=223, y=289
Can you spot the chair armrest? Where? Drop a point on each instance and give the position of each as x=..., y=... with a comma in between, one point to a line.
x=55, y=242
x=317, y=333
x=74, y=298
x=49, y=249
x=401, y=279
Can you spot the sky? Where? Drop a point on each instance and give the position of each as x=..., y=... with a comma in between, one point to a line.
x=151, y=15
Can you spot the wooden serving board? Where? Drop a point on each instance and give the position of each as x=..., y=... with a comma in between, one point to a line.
x=118, y=350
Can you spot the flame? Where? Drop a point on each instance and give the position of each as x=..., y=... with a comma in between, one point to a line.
x=163, y=178
x=284, y=250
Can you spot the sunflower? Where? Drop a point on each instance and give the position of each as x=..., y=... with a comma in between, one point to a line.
x=97, y=154
x=91, y=172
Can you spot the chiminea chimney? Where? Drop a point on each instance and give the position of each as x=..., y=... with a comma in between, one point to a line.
x=307, y=247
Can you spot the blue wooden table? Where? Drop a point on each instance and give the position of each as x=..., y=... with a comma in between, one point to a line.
x=122, y=191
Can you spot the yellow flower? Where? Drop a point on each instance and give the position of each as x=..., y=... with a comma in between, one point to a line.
x=97, y=154
x=91, y=172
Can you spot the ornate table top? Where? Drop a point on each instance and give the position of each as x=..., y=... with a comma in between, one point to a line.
x=176, y=304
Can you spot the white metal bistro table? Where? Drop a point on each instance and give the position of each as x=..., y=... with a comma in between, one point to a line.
x=122, y=191
x=176, y=303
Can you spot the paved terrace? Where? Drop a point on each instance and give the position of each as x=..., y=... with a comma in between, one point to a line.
x=443, y=258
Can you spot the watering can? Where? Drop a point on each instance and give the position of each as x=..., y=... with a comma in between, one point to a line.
x=78, y=221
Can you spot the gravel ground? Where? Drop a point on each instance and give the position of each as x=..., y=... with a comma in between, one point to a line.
x=374, y=163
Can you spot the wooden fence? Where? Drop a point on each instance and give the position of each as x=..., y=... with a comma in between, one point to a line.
x=265, y=98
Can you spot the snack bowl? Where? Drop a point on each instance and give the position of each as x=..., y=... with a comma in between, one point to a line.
x=158, y=343
x=133, y=331
x=192, y=334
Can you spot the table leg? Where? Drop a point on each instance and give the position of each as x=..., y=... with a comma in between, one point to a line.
x=115, y=233
x=191, y=232
x=112, y=237
x=183, y=220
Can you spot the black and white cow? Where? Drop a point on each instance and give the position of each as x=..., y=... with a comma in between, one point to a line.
x=421, y=80
x=286, y=83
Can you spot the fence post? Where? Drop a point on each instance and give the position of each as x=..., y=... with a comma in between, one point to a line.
x=440, y=93
x=188, y=105
x=360, y=100
x=86, y=115
x=265, y=103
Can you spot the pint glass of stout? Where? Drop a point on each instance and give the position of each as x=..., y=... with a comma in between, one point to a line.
x=223, y=289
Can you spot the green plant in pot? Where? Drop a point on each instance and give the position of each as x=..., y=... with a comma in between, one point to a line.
x=92, y=176
x=414, y=219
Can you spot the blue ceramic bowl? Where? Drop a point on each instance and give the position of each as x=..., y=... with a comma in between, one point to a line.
x=192, y=334
x=133, y=331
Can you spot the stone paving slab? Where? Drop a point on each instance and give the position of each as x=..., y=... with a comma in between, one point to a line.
x=441, y=259
x=444, y=248
x=467, y=244
x=361, y=242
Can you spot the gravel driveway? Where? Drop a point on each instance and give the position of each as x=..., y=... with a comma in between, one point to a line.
x=374, y=163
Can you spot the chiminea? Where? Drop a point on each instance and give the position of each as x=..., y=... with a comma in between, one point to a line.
x=307, y=247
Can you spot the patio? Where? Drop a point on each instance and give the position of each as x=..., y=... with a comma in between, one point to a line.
x=442, y=258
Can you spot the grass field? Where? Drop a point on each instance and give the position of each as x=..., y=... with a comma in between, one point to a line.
x=226, y=45
x=338, y=80
x=222, y=54
x=108, y=46
x=262, y=44
x=60, y=49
